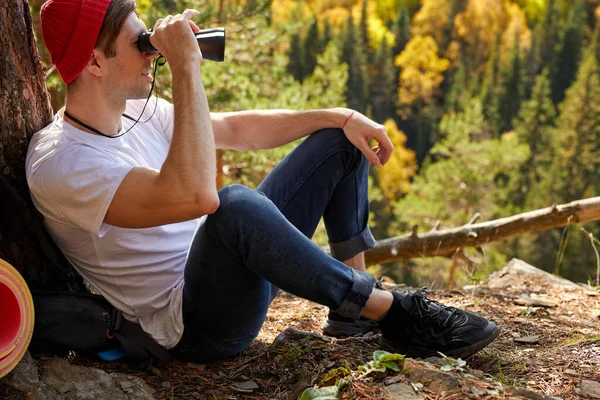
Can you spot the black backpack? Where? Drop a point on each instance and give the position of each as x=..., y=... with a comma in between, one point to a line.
x=67, y=320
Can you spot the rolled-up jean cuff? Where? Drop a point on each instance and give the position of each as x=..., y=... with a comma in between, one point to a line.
x=354, y=302
x=349, y=248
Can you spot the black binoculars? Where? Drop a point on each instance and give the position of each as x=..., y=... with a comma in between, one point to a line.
x=211, y=42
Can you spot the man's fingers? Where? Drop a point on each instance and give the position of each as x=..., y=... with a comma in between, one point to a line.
x=195, y=27
x=187, y=14
x=370, y=155
x=190, y=13
x=385, y=147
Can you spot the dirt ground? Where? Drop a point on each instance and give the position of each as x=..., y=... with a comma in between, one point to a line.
x=550, y=342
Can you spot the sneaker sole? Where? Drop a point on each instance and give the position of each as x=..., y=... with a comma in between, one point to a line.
x=345, y=329
x=462, y=352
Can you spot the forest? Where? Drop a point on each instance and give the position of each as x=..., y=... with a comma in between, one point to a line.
x=491, y=106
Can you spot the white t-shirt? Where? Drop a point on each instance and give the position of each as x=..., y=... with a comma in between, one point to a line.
x=73, y=176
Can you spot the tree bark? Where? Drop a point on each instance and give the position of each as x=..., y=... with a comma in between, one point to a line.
x=24, y=104
x=445, y=243
x=24, y=109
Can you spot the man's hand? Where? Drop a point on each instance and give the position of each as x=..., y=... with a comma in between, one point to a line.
x=360, y=130
x=173, y=36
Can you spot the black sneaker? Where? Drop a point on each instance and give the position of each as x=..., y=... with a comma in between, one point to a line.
x=419, y=327
x=338, y=326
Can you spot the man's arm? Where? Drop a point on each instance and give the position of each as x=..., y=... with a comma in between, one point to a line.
x=266, y=129
x=185, y=187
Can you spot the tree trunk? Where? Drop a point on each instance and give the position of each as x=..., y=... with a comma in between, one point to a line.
x=24, y=109
x=446, y=243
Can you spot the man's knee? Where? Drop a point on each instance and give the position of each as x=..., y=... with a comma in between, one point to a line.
x=239, y=201
x=335, y=140
x=330, y=137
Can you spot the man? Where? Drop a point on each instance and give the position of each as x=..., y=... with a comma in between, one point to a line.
x=135, y=209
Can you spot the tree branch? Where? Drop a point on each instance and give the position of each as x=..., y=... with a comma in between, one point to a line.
x=445, y=242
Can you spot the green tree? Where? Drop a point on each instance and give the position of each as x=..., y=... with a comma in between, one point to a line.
x=327, y=35
x=510, y=89
x=578, y=162
x=383, y=89
x=363, y=30
x=295, y=55
x=456, y=7
x=594, y=45
x=535, y=126
x=401, y=29
x=311, y=47
x=464, y=174
x=357, y=90
x=568, y=51
x=324, y=88
x=573, y=174
x=456, y=92
x=489, y=90
x=545, y=38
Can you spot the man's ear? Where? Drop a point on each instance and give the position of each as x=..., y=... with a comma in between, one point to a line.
x=97, y=64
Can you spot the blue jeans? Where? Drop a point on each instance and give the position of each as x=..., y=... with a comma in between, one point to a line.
x=259, y=241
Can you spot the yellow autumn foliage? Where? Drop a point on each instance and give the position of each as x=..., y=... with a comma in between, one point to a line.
x=432, y=19
x=422, y=72
x=376, y=28
x=395, y=176
x=336, y=11
x=143, y=6
x=516, y=25
x=477, y=28
x=283, y=11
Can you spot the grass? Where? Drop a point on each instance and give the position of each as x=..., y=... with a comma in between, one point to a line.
x=579, y=339
x=510, y=374
x=292, y=352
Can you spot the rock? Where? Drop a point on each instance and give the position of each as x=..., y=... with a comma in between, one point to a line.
x=589, y=389
x=392, y=380
x=25, y=379
x=516, y=272
x=529, y=394
x=56, y=379
x=525, y=300
x=528, y=339
x=433, y=379
x=244, y=387
x=476, y=373
x=403, y=391
x=478, y=392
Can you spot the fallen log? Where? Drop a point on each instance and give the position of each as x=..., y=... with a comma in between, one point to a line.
x=447, y=242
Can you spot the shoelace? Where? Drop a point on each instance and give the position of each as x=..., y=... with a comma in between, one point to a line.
x=424, y=304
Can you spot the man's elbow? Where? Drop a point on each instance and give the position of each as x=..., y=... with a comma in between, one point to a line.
x=208, y=202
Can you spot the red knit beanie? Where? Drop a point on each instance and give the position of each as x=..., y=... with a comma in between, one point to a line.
x=70, y=29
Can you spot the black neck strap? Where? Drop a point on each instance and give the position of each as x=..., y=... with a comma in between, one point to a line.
x=96, y=131
x=158, y=61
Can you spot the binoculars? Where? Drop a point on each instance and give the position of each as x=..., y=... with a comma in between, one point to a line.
x=211, y=42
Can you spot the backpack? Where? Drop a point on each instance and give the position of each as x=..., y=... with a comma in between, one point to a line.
x=67, y=320
x=87, y=323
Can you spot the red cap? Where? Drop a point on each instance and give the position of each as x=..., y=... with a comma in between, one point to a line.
x=70, y=29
